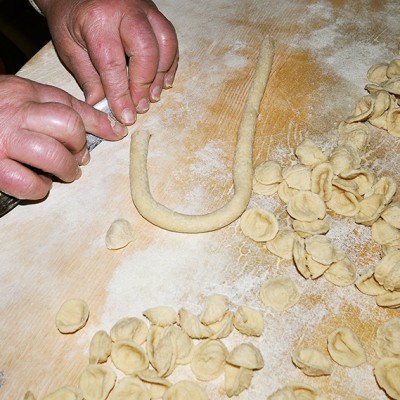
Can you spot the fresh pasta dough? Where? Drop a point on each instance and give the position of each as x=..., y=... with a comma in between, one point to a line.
x=387, y=341
x=387, y=373
x=312, y=362
x=280, y=293
x=260, y=225
x=119, y=234
x=345, y=347
x=72, y=315
x=242, y=168
x=208, y=360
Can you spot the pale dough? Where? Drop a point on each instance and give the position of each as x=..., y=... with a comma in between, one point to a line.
x=184, y=390
x=129, y=357
x=97, y=381
x=259, y=225
x=312, y=362
x=345, y=347
x=248, y=321
x=237, y=379
x=209, y=360
x=242, y=169
x=72, y=315
x=280, y=293
x=161, y=316
x=130, y=388
x=387, y=374
x=246, y=355
x=214, y=310
x=129, y=328
x=119, y=234
x=100, y=347
x=387, y=341
x=64, y=393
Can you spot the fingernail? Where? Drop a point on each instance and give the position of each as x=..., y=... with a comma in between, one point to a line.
x=78, y=173
x=168, y=82
x=143, y=106
x=156, y=93
x=85, y=158
x=119, y=129
x=128, y=116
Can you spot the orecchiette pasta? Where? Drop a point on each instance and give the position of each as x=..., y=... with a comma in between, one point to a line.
x=268, y=173
x=306, y=206
x=130, y=388
x=387, y=272
x=96, y=382
x=367, y=284
x=129, y=328
x=309, y=154
x=237, y=379
x=341, y=273
x=100, y=347
x=64, y=393
x=282, y=244
x=161, y=315
x=312, y=362
x=392, y=215
x=246, y=355
x=248, y=321
x=297, y=176
x=72, y=316
x=129, y=357
x=345, y=347
x=321, y=180
x=191, y=324
x=387, y=341
x=387, y=373
x=184, y=390
x=215, y=308
x=209, y=360
x=259, y=225
x=321, y=249
x=280, y=293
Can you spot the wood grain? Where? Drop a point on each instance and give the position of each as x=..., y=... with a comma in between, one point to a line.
x=54, y=250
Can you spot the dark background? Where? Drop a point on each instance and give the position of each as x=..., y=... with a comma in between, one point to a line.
x=23, y=32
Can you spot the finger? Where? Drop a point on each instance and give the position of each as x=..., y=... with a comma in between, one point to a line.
x=110, y=63
x=99, y=123
x=21, y=182
x=58, y=121
x=168, y=52
x=169, y=77
x=45, y=153
x=94, y=121
x=141, y=46
x=86, y=75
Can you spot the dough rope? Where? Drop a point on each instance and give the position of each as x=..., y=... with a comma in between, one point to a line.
x=168, y=219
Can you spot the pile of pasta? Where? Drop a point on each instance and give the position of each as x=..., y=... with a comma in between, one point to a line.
x=319, y=183
x=148, y=354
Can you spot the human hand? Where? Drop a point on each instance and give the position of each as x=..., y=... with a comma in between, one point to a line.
x=44, y=127
x=94, y=38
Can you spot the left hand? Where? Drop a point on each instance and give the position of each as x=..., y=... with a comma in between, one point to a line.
x=93, y=39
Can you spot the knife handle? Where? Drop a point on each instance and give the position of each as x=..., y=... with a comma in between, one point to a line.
x=7, y=203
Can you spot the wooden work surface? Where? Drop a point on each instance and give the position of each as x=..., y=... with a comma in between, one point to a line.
x=55, y=250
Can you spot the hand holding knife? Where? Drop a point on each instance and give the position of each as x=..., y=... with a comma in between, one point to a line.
x=7, y=202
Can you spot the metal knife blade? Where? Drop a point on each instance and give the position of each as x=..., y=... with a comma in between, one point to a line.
x=7, y=202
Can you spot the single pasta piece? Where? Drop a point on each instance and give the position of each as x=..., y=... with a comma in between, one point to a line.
x=72, y=316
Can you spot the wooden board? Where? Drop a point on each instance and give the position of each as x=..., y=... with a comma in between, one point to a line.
x=55, y=250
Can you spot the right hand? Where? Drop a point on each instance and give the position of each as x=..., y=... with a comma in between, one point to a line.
x=44, y=127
